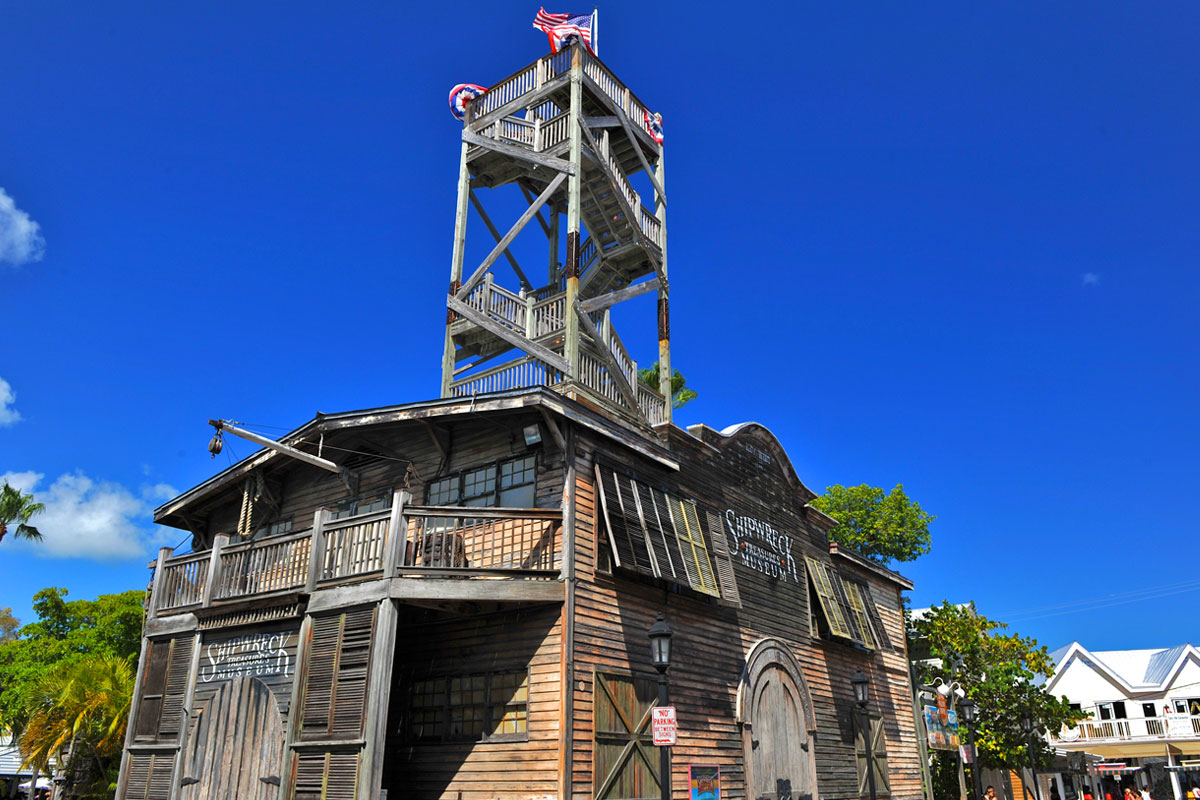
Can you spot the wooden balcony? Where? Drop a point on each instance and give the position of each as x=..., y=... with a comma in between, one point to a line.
x=485, y=544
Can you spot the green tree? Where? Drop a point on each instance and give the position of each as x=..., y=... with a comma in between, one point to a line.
x=80, y=708
x=881, y=526
x=8, y=626
x=1002, y=672
x=681, y=395
x=65, y=632
x=18, y=507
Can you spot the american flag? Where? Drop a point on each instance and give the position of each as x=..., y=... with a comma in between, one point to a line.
x=561, y=27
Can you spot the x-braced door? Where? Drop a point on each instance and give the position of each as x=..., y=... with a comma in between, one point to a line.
x=624, y=759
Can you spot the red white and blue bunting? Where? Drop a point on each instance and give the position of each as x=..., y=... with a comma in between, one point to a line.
x=462, y=94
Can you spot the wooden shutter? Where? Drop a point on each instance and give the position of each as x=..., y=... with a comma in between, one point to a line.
x=624, y=761
x=149, y=776
x=822, y=583
x=691, y=543
x=666, y=558
x=859, y=613
x=879, y=764
x=175, y=691
x=325, y=776
x=724, y=562
x=881, y=637
x=335, y=692
x=620, y=519
x=843, y=601
x=153, y=683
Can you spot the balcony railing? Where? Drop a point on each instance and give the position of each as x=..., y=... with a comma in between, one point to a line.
x=463, y=541
x=1172, y=726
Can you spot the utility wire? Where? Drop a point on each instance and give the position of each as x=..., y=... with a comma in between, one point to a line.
x=1133, y=594
x=1109, y=604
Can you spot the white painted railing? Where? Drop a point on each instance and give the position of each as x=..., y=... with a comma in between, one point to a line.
x=1172, y=726
x=652, y=404
x=499, y=304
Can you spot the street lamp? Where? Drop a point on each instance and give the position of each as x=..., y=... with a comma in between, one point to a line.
x=967, y=707
x=862, y=694
x=660, y=656
x=1027, y=725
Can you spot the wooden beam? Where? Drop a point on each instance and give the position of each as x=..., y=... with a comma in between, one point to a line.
x=515, y=151
x=555, y=431
x=602, y=96
x=620, y=295
x=437, y=440
x=602, y=122
x=662, y=195
x=529, y=199
x=610, y=361
x=503, y=244
x=512, y=337
x=438, y=588
x=525, y=284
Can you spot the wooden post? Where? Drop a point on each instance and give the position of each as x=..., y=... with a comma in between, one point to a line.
x=553, y=236
x=397, y=535
x=566, y=731
x=530, y=324
x=295, y=712
x=574, y=185
x=157, y=583
x=189, y=704
x=664, y=305
x=214, y=568
x=379, y=685
x=316, y=552
x=456, y=262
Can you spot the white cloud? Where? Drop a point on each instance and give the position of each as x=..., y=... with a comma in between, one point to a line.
x=8, y=414
x=90, y=519
x=20, y=237
x=1090, y=279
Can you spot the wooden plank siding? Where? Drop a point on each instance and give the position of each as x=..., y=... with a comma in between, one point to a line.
x=614, y=611
x=742, y=483
x=443, y=645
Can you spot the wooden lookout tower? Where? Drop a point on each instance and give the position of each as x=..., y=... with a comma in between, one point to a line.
x=570, y=136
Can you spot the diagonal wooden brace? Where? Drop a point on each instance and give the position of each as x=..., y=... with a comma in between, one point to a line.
x=518, y=341
x=503, y=244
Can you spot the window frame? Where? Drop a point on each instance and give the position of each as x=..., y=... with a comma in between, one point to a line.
x=498, y=489
x=494, y=710
x=353, y=505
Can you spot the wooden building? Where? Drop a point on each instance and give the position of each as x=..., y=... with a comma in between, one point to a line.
x=451, y=598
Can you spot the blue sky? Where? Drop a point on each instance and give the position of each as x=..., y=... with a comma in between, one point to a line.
x=950, y=245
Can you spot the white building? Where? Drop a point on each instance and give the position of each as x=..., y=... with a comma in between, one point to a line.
x=1145, y=717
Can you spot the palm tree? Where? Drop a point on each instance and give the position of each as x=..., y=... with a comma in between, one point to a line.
x=81, y=708
x=681, y=395
x=18, y=507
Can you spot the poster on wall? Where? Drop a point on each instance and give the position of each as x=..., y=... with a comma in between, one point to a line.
x=704, y=782
x=941, y=728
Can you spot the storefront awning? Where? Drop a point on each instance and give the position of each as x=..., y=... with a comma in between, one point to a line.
x=1111, y=769
x=1187, y=766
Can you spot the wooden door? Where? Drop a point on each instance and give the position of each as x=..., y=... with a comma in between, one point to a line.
x=777, y=726
x=624, y=759
x=236, y=751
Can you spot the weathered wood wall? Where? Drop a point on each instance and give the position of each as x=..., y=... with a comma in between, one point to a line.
x=449, y=645
x=749, y=475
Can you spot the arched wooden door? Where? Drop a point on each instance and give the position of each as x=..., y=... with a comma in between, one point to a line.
x=776, y=713
x=236, y=752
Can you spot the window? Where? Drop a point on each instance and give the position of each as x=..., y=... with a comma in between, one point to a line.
x=508, y=484
x=485, y=707
x=1149, y=710
x=274, y=529
x=847, y=609
x=879, y=760
x=659, y=534
x=363, y=504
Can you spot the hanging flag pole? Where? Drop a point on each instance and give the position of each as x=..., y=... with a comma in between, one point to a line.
x=596, y=31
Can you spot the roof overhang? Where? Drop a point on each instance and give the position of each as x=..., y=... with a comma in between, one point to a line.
x=445, y=408
x=847, y=554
